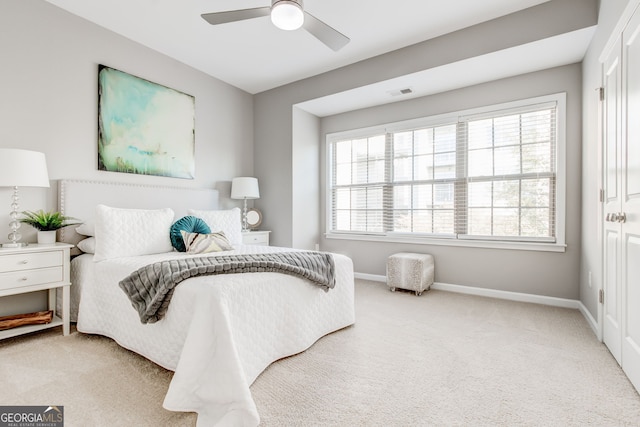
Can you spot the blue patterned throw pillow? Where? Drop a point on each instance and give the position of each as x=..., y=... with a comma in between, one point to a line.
x=190, y=224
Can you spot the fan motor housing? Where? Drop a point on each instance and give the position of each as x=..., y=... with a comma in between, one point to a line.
x=298, y=2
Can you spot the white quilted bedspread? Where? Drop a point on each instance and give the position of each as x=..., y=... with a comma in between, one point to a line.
x=220, y=332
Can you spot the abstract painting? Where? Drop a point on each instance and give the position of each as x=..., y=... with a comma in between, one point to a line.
x=143, y=127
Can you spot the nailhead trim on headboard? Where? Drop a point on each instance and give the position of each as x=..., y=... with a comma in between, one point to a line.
x=151, y=196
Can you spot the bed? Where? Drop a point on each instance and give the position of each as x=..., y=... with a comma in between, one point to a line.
x=220, y=331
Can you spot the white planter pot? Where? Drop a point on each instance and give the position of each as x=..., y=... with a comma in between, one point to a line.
x=47, y=237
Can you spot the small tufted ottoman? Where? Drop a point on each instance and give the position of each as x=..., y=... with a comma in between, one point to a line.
x=410, y=271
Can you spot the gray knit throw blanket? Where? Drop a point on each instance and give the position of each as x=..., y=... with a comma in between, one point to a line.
x=150, y=288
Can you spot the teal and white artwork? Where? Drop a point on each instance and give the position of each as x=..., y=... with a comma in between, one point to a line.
x=143, y=127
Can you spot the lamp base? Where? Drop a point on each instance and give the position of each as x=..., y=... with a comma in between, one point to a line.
x=15, y=245
x=14, y=224
x=245, y=228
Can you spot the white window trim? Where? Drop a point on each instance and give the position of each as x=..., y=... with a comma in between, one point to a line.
x=560, y=242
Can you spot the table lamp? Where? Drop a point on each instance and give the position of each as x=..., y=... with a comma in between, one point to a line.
x=245, y=188
x=20, y=168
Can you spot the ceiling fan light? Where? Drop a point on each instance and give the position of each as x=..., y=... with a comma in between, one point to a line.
x=287, y=15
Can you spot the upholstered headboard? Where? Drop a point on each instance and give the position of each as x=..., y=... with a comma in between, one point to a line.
x=79, y=199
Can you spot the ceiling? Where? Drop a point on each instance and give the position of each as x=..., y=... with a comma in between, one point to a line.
x=255, y=56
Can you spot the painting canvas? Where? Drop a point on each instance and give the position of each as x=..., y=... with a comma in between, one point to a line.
x=143, y=127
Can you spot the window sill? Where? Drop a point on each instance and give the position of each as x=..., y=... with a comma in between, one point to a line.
x=486, y=244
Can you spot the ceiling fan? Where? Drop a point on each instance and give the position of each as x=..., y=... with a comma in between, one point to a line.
x=286, y=15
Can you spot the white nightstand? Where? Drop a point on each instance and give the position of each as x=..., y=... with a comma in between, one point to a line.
x=260, y=238
x=36, y=268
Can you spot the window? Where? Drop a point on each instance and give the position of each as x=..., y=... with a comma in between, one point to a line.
x=489, y=174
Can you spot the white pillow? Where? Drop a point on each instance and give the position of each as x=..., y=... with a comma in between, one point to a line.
x=131, y=232
x=88, y=245
x=86, y=229
x=227, y=221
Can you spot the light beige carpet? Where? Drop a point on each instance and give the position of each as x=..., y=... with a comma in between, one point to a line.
x=439, y=359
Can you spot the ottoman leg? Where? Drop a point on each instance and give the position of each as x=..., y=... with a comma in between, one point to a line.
x=418, y=293
x=392, y=289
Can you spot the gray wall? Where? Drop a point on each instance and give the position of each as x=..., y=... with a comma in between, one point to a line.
x=591, y=256
x=305, y=214
x=49, y=89
x=553, y=274
x=541, y=273
x=49, y=100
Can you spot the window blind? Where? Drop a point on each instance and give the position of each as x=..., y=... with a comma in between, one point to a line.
x=489, y=175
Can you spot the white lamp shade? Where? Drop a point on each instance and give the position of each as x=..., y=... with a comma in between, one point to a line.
x=287, y=15
x=245, y=187
x=23, y=168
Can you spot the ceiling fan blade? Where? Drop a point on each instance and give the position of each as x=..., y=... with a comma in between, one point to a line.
x=216, y=18
x=326, y=34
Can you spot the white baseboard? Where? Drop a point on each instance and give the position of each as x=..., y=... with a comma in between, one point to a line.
x=492, y=293
x=590, y=320
x=508, y=295
x=372, y=277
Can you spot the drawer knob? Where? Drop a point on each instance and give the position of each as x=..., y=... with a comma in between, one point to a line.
x=24, y=261
x=23, y=279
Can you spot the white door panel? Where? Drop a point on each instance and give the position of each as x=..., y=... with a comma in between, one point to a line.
x=612, y=333
x=631, y=277
x=631, y=309
x=631, y=157
x=630, y=202
x=612, y=109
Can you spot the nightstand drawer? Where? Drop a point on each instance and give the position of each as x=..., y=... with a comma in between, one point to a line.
x=28, y=261
x=255, y=238
x=17, y=279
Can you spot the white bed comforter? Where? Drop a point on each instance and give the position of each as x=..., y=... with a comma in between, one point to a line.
x=220, y=332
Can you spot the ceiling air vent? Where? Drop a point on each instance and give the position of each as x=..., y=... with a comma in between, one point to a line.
x=398, y=92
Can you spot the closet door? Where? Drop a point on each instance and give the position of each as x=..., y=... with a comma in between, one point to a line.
x=612, y=310
x=629, y=217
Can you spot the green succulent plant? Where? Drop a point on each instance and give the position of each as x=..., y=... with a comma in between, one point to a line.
x=47, y=221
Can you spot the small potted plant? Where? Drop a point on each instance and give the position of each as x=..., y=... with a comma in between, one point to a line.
x=47, y=223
